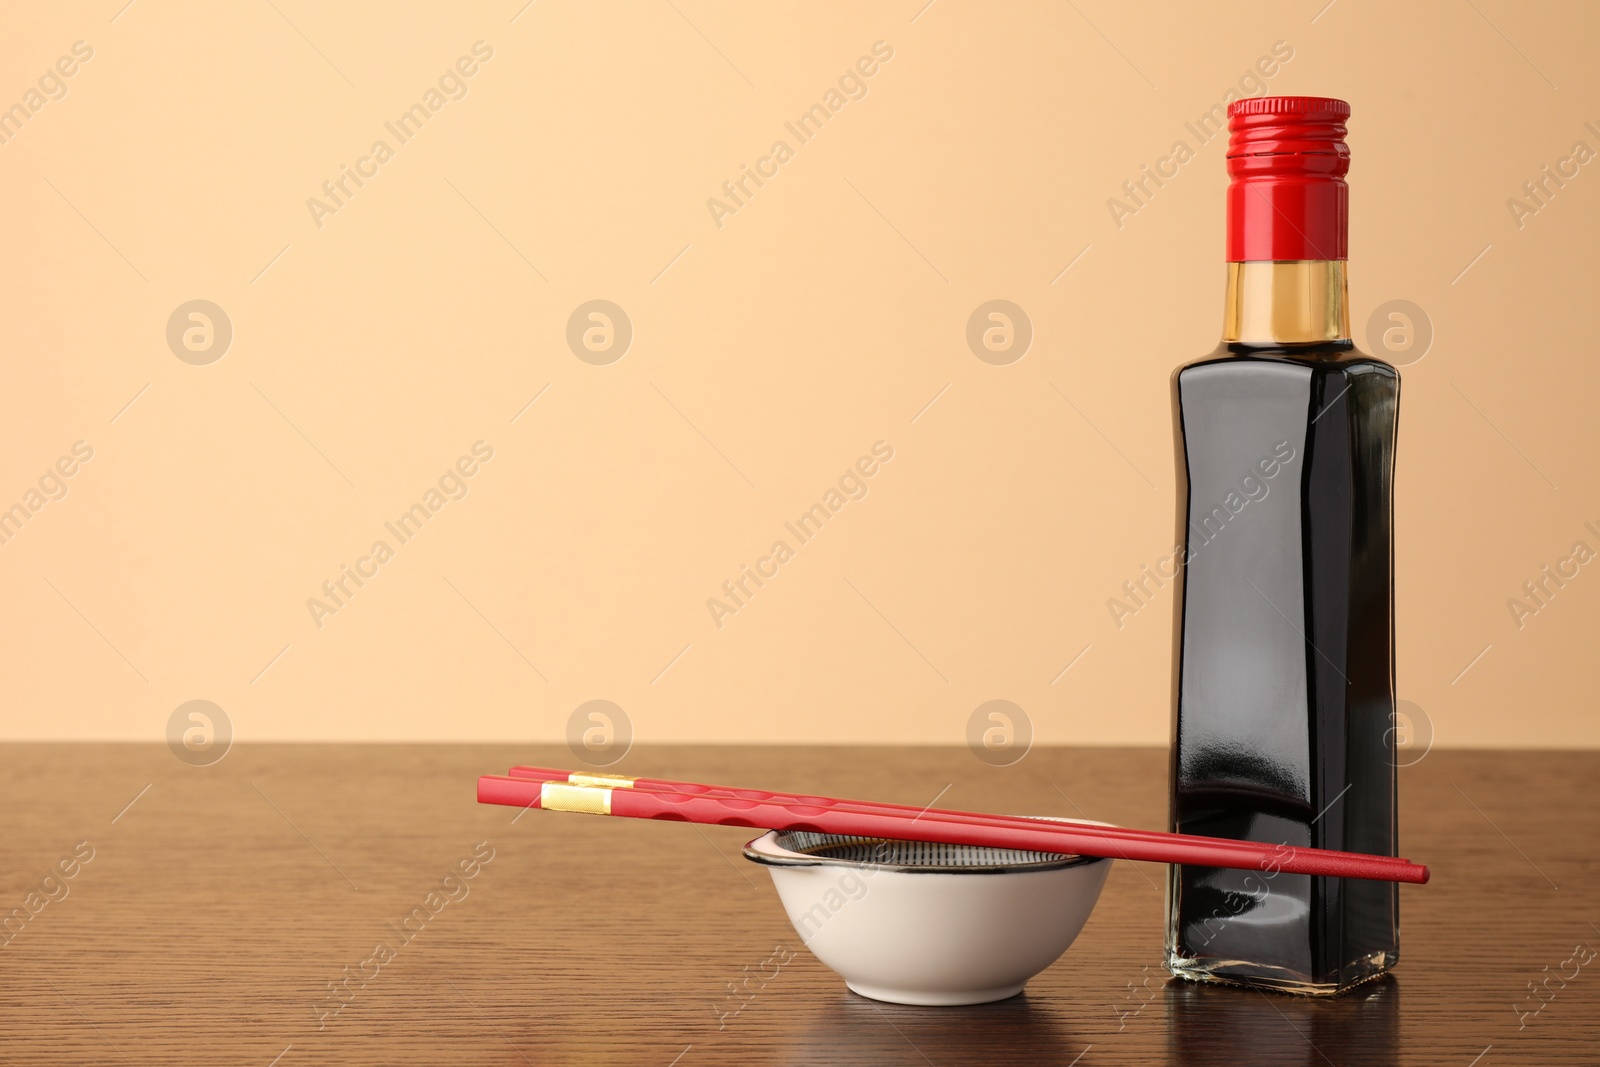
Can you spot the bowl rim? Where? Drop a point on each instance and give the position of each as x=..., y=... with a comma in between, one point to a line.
x=766, y=851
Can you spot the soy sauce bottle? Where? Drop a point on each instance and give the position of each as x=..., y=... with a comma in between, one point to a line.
x=1284, y=645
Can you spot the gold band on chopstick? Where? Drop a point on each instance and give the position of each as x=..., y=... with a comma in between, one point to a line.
x=612, y=781
x=563, y=796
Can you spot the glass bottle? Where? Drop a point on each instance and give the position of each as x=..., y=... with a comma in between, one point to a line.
x=1284, y=643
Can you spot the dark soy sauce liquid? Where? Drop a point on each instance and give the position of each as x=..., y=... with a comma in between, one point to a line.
x=1284, y=660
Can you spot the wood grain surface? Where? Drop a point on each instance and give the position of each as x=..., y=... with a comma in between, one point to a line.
x=221, y=909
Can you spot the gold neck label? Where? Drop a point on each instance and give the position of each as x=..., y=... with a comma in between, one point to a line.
x=1286, y=302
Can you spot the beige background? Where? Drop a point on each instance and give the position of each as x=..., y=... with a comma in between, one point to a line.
x=828, y=313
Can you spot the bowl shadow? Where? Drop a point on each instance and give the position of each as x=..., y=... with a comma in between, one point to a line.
x=852, y=1029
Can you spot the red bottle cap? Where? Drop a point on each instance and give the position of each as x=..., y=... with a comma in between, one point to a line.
x=1287, y=160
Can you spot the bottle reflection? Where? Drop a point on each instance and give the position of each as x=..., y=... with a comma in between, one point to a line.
x=1218, y=1024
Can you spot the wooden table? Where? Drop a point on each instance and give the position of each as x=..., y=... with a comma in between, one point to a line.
x=222, y=906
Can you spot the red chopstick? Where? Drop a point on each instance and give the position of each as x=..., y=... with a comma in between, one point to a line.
x=1042, y=836
x=1117, y=833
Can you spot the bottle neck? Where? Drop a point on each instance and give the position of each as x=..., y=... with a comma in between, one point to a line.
x=1272, y=302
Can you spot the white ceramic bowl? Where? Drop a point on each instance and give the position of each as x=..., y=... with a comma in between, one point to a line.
x=918, y=923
